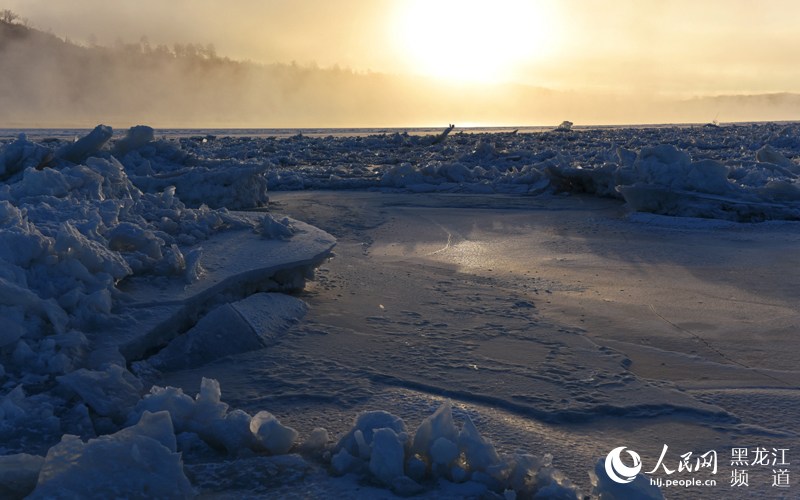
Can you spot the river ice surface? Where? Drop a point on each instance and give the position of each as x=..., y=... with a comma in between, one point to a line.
x=499, y=274
x=561, y=325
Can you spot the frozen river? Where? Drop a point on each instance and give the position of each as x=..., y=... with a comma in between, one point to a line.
x=560, y=325
x=558, y=290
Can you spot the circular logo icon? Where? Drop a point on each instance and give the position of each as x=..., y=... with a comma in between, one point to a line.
x=618, y=471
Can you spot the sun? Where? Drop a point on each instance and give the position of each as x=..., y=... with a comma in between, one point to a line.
x=472, y=41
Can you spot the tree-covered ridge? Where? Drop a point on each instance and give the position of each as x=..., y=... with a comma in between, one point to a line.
x=185, y=84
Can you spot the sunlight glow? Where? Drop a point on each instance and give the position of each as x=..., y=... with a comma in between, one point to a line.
x=473, y=41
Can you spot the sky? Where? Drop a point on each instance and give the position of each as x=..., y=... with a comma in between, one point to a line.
x=639, y=48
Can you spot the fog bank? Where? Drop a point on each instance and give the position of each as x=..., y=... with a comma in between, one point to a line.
x=51, y=82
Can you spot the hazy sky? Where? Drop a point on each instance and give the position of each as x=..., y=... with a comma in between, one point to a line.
x=589, y=61
x=658, y=47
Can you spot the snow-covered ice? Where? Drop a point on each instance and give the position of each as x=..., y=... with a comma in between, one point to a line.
x=502, y=311
x=138, y=461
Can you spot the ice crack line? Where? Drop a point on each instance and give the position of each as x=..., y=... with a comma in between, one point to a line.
x=449, y=238
x=714, y=349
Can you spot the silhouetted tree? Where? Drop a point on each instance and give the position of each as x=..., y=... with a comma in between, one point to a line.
x=7, y=16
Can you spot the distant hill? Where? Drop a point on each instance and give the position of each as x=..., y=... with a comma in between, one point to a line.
x=51, y=82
